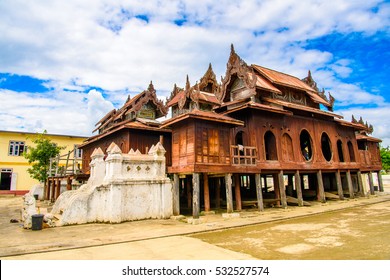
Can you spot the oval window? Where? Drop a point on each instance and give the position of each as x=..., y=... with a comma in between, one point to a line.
x=305, y=141
x=326, y=147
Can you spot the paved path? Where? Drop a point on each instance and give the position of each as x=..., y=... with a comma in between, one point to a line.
x=155, y=239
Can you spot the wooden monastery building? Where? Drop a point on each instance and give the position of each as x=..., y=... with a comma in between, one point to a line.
x=258, y=138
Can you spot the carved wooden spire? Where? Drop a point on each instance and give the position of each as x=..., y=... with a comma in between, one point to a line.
x=151, y=88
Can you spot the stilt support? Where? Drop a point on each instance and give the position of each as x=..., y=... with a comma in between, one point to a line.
x=176, y=195
x=371, y=182
x=282, y=189
x=380, y=182
x=350, y=187
x=259, y=192
x=237, y=191
x=297, y=178
x=206, y=192
x=229, y=195
x=195, y=196
x=339, y=185
x=320, y=186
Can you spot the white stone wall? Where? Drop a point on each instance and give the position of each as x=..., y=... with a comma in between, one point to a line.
x=124, y=187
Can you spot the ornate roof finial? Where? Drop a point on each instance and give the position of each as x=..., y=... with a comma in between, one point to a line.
x=187, y=83
x=151, y=87
x=310, y=82
x=232, y=49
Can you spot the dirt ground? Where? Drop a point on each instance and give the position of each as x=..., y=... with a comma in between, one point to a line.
x=350, y=234
x=350, y=229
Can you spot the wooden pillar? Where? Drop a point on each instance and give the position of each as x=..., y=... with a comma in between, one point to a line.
x=176, y=195
x=237, y=191
x=195, y=195
x=206, y=192
x=380, y=182
x=275, y=178
x=189, y=193
x=218, y=193
x=320, y=187
x=259, y=193
x=350, y=187
x=229, y=195
x=53, y=189
x=360, y=183
x=68, y=183
x=339, y=185
x=282, y=189
x=58, y=185
x=371, y=182
x=48, y=186
x=298, y=187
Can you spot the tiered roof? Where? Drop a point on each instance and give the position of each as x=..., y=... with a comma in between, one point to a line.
x=129, y=111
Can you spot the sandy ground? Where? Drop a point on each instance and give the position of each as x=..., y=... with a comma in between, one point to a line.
x=349, y=234
x=170, y=239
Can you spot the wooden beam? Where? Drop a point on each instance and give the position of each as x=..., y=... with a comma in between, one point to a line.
x=320, y=187
x=297, y=178
x=237, y=191
x=68, y=183
x=259, y=192
x=360, y=184
x=53, y=190
x=371, y=182
x=282, y=189
x=48, y=186
x=350, y=186
x=58, y=187
x=275, y=178
x=339, y=185
x=229, y=195
x=206, y=192
x=380, y=182
x=176, y=195
x=195, y=195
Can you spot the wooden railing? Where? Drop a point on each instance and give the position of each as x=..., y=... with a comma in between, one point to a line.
x=64, y=165
x=243, y=155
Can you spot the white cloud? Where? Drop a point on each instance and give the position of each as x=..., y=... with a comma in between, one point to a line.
x=374, y=116
x=97, y=107
x=62, y=112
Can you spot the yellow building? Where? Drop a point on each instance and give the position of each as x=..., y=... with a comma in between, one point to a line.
x=13, y=166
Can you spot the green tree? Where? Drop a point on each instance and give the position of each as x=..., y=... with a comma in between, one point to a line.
x=39, y=156
x=385, y=156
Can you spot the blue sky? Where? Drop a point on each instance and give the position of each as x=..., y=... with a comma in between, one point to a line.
x=65, y=64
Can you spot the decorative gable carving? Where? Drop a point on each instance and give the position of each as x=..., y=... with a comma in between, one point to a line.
x=144, y=105
x=237, y=67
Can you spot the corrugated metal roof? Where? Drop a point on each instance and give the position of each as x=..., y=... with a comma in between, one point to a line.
x=203, y=96
x=302, y=107
x=290, y=81
x=208, y=97
x=282, y=78
x=210, y=116
x=368, y=138
x=176, y=98
x=264, y=84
